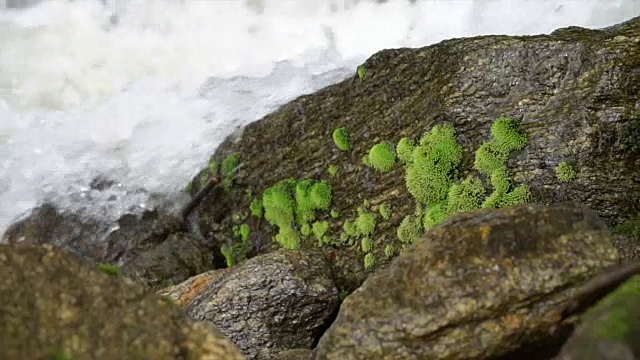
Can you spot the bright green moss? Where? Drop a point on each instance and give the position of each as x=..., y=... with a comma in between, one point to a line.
x=362, y=71
x=382, y=157
x=385, y=211
x=305, y=207
x=227, y=252
x=519, y=195
x=342, y=139
x=489, y=159
x=288, y=238
x=613, y=314
x=410, y=229
x=369, y=261
x=110, y=269
x=366, y=245
x=321, y=195
x=465, y=196
x=305, y=229
x=245, y=231
x=350, y=228
x=565, y=172
x=507, y=135
x=229, y=168
x=335, y=214
x=278, y=203
x=256, y=207
x=320, y=228
x=436, y=213
x=389, y=251
x=432, y=171
x=332, y=170
x=366, y=223
x=405, y=150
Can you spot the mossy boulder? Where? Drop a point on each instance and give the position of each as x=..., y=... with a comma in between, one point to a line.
x=56, y=306
x=476, y=287
x=573, y=93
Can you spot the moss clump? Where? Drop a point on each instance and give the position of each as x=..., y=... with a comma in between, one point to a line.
x=465, y=196
x=228, y=253
x=565, y=172
x=288, y=203
x=382, y=157
x=319, y=229
x=213, y=167
x=369, y=261
x=432, y=171
x=335, y=214
x=110, y=269
x=410, y=229
x=365, y=223
x=229, y=168
x=256, y=207
x=389, y=251
x=366, y=245
x=614, y=314
x=405, y=150
x=435, y=214
x=361, y=71
x=245, y=231
x=385, y=211
x=342, y=139
x=332, y=170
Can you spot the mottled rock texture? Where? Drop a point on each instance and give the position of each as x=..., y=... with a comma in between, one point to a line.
x=270, y=303
x=55, y=306
x=476, y=287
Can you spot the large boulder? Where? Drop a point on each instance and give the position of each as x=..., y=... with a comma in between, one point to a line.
x=575, y=93
x=55, y=306
x=481, y=285
x=268, y=304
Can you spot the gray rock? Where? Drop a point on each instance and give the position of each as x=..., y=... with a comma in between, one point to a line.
x=475, y=287
x=268, y=304
x=55, y=306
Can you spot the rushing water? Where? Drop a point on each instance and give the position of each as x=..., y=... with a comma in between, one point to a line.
x=146, y=101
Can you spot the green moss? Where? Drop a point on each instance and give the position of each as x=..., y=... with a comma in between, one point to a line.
x=362, y=71
x=369, y=261
x=389, y=251
x=366, y=223
x=410, y=229
x=490, y=159
x=405, y=150
x=366, y=245
x=110, y=269
x=332, y=170
x=256, y=208
x=612, y=315
x=507, y=135
x=229, y=168
x=321, y=195
x=342, y=139
x=385, y=211
x=305, y=207
x=335, y=214
x=228, y=253
x=319, y=229
x=565, y=172
x=245, y=231
x=382, y=156
x=288, y=238
x=213, y=167
x=629, y=227
x=436, y=213
x=350, y=229
x=465, y=196
x=432, y=171
x=305, y=229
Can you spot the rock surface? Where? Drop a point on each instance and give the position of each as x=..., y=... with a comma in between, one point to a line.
x=270, y=303
x=152, y=247
x=54, y=306
x=475, y=287
x=576, y=93
x=609, y=330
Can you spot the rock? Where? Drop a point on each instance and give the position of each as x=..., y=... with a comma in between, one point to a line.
x=152, y=248
x=268, y=304
x=295, y=354
x=55, y=306
x=609, y=330
x=576, y=93
x=475, y=287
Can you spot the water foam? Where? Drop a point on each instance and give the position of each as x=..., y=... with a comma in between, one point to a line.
x=80, y=97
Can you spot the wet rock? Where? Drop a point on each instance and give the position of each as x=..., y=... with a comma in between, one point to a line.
x=575, y=93
x=475, y=287
x=268, y=304
x=55, y=306
x=610, y=330
x=152, y=247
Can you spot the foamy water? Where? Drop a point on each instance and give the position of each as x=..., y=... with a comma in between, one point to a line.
x=147, y=101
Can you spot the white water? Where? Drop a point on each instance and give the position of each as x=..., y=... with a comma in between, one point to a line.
x=80, y=98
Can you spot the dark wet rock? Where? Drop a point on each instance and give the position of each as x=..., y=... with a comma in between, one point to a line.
x=576, y=93
x=475, y=287
x=295, y=354
x=151, y=247
x=55, y=306
x=609, y=330
x=266, y=305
